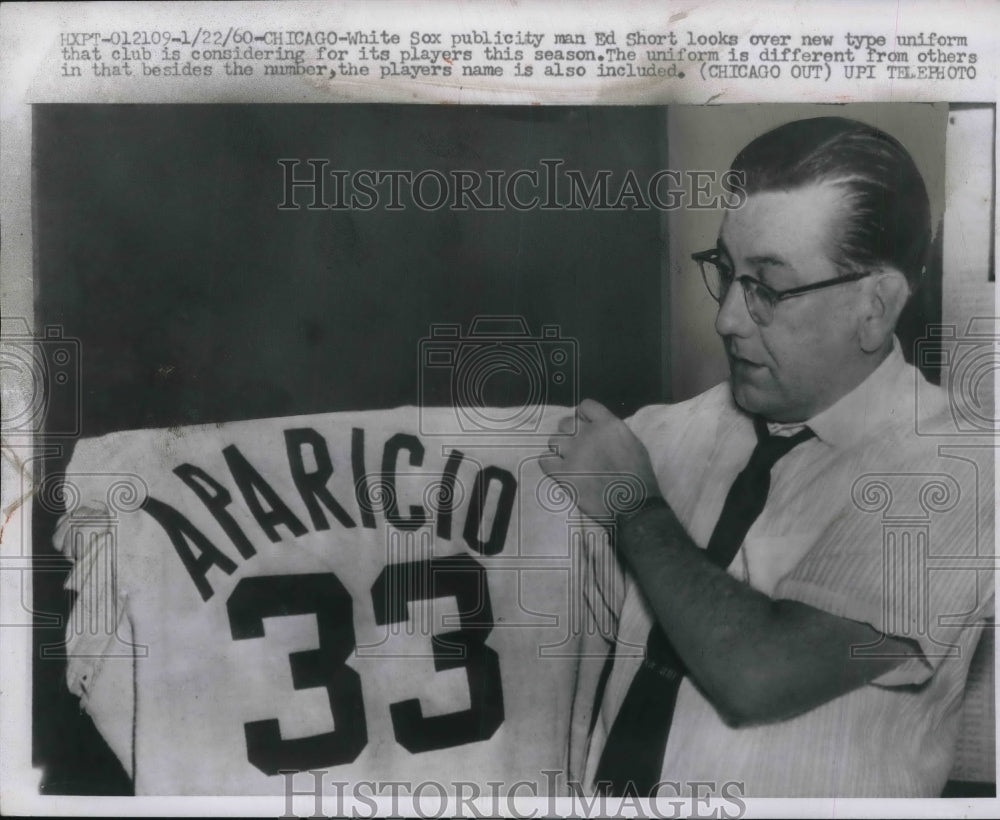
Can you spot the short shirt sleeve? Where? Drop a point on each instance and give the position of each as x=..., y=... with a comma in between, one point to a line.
x=911, y=555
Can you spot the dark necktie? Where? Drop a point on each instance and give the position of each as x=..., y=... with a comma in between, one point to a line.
x=638, y=738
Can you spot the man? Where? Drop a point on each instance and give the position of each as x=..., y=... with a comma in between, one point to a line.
x=765, y=635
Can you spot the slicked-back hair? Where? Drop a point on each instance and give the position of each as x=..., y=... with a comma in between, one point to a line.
x=886, y=214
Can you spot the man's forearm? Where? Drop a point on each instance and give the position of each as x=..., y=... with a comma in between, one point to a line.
x=757, y=659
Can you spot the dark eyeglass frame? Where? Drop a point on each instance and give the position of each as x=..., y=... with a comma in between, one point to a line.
x=769, y=294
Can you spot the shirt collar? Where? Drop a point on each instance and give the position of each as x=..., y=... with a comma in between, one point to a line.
x=879, y=399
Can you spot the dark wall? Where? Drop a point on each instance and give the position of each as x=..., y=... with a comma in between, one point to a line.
x=161, y=248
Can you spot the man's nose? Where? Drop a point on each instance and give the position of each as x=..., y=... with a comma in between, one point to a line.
x=733, y=318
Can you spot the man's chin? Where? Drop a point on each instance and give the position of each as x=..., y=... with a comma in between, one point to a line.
x=739, y=392
x=761, y=403
x=749, y=399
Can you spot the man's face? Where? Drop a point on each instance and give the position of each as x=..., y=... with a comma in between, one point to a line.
x=808, y=356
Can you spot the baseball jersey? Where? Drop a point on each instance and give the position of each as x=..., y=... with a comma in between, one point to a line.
x=360, y=593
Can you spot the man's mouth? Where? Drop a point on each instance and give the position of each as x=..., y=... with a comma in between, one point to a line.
x=739, y=361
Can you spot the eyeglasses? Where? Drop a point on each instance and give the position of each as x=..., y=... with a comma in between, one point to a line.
x=761, y=299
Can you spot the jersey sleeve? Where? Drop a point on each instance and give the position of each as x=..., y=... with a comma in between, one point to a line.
x=910, y=555
x=602, y=576
x=99, y=646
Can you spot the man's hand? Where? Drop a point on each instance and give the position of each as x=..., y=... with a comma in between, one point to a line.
x=602, y=461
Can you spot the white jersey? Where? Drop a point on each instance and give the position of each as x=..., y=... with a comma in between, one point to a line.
x=348, y=592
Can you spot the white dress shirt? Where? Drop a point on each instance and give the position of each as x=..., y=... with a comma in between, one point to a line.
x=871, y=521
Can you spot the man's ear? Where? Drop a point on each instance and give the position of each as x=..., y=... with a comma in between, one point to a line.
x=885, y=295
